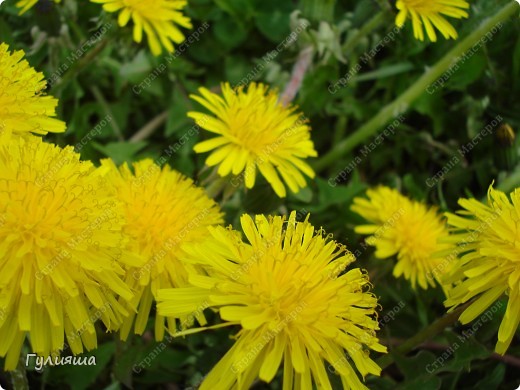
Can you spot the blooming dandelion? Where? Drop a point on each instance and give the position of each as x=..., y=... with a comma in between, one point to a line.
x=406, y=228
x=255, y=131
x=294, y=300
x=60, y=259
x=489, y=265
x=164, y=210
x=25, y=109
x=428, y=15
x=157, y=18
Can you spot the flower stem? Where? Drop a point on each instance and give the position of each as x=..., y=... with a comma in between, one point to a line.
x=215, y=185
x=375, y=22
x=108, y=111
x=426, y=334
x=78, y=66
x=300, y=68
x=403, y=102
x=19, y=375
x=148, y=129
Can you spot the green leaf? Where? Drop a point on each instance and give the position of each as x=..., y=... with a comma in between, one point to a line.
x=137, y=69
x=241, y=10
x=387, y=71
x=305, y=195
x=120, y=152
x=173, y=359
x=329, y=195
x=113, y=386
x=415, y=190
x=311, y=97
x=81, y=377
x=124, y=363
x=177, y=111
x=409, y=365
x=467, y=70
x=423, y=382
x=434, y=106
x=237, y=68
x=462, y=351
x=5, y=33
x=261, y=198
x=274, y=25
x=229, y=33
x=493, y=380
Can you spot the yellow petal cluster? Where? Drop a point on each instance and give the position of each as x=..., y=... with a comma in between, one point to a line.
x=61, y=250
x=24, y=106
x=289, y=291
x=430, y=15
x=488, y=236
x=255, y=131
x=163, y=210
x=157, y=18
x=407, y=229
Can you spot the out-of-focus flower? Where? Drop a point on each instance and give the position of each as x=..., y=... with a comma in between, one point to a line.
x=489, y=267
x=24, y=107
x=406, y=228
x=429, y=14
x=157, y=18
x=163, y=210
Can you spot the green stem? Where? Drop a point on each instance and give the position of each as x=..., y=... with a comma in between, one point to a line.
x=148, y=129
x=367, y=28
x=19, y=375
x=216, y=186
x=108, y=111
x=78, y=66
x=340, y=128
x=403, y=102
x=426, y=334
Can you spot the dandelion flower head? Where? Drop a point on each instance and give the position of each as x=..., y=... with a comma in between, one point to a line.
x=430, y=15
x=25, y=108
x=406, y=228
x=290, y=293
x=157, y=18
x=163, y=209
x=61, y=261
x=255, y=131
x=489, y=265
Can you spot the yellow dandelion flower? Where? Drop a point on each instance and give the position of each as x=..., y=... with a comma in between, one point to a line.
x=60, y=256
x=255, y=131
x=25, y=5
x=488, y=236
x=428, y=14
x=158, y=19
x=164, y=209
x=406, y=228
x=289, y=292
x=25, y=109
